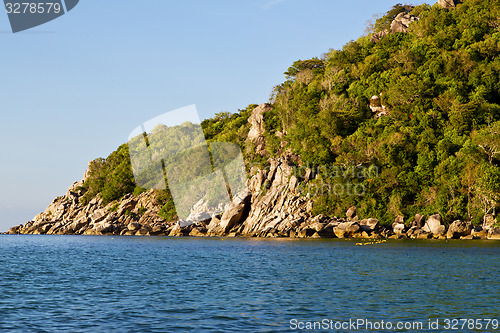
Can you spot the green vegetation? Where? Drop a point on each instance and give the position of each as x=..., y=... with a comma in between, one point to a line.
x=440, y=83
x=438, y=150
x=112, y=177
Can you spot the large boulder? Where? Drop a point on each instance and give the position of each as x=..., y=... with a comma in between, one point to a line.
x=479, y=233
x=459, y=229
x=134, y=226
x=434, y=225
x=402, y=22
x=347, y=230
x=369, y=225
x=449, y=3
x=235, y=213
x=418, y=221
x=399, y=228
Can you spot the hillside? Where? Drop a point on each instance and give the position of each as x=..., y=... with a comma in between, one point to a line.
x=403, y=121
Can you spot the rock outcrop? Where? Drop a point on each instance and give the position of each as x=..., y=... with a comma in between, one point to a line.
x=378, y=108
x=67, y=215
x=449, y=3
x=434, y=225
x=459, y=229
x=402, y=22
x=257, y=129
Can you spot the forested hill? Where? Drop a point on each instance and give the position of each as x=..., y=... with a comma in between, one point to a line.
x=417, y=98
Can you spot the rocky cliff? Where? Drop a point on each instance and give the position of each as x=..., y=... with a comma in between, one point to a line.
x=274, y=205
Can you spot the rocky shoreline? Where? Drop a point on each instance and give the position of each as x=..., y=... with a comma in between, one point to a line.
x=272, y=207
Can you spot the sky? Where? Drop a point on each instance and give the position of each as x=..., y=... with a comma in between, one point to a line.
x=73, y=89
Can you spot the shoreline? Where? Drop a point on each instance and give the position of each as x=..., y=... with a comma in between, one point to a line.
x=270, y=207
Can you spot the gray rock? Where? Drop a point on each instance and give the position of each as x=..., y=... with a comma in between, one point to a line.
x=434, y=226
x=419, y=221
x=104, y=228
x=198, y=232
x=402, y=22
x=257, y=129
x=399, y=228
x=347, y=230
x=379, y=35
x=459, y=229
x=235, y=213
x=399, y=219
x=449, y=3
x=134, y=226
x=369, y=225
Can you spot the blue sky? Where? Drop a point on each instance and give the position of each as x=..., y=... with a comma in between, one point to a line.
x=73, y=89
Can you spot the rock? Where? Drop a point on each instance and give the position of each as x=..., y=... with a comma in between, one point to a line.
x=411, y=231
x=399, y=228
x=77, y=225
x=199, y=217
x=449, y=3
x=157, y=230
x=418, y=221
x=369, y=225
x=399, y=219
x=421, y=234
x=134, y=226
x=347, y=229
x=306, y=232
x=127, y=205
x=143, y=232
x=377, y=107
x=494, y=233
x=479, y=233
x=235, y=213
x=434, y=226
x=459, y=229
x=176, y=231
x=488, y=221
x=469, y=237
x=198, y=232
x=104, y=228
x=402, y=22
x=214, y=227
x=15, y=230
x=323, y=230
x=379, y=35
x=44, y=228
x=257, y=129
x=351, y=212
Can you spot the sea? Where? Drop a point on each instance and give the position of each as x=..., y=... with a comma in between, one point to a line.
x=161, y=284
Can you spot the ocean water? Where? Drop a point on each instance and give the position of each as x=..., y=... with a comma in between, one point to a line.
x=148, y=284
